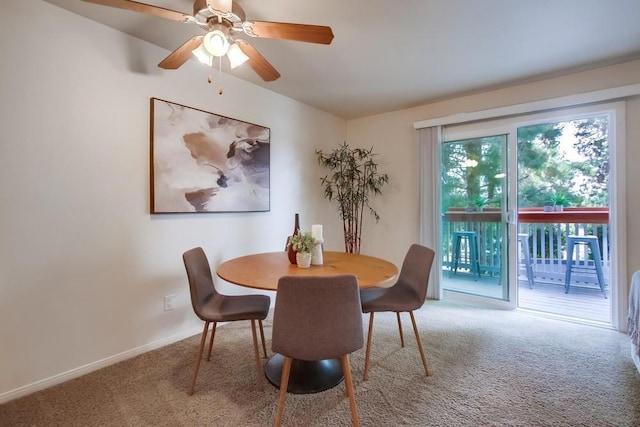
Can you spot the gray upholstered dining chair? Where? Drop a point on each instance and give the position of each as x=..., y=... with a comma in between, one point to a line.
x=212, y=307
x=317, y=318
x=406, y=295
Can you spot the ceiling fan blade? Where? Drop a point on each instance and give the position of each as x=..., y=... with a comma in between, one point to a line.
x=144, y=8
x=256, y=61
x=280, y=30
x=181, y=54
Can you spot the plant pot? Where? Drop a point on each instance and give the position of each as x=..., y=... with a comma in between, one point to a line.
x=548, y=208
x=558, y=208
x=303, y=259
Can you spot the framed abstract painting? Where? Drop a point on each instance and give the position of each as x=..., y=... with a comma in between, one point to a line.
x=204, y=162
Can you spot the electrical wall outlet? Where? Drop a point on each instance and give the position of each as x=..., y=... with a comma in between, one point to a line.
x=169, y=302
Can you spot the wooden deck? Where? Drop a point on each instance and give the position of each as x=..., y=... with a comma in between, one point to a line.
x=583, y=302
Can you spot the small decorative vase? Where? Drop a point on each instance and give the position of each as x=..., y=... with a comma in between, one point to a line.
x=303, y=259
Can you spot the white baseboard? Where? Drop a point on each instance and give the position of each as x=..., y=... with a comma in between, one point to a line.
x=94, y=366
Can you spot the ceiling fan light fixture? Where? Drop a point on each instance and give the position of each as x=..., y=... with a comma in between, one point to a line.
x=236, y=56
x=216, y=43
x=202, y=55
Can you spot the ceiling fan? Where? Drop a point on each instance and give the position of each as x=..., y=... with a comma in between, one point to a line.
x=224, y=21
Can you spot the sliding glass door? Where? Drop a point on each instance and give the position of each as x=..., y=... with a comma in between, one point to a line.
x=473, y=201
x=528, y=213
x=563, y=204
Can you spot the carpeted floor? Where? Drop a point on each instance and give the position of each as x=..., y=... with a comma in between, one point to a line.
x=488, y=368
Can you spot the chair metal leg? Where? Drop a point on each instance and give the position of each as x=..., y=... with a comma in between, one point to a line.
x=415, y=330
x=284, y=382
x=202, y=341
x=366, y=357
x=264, y=346
x=400, y=329
x=346, y=369
x=256, y=352
x=213, y=334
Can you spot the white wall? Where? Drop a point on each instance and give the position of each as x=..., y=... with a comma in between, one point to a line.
x=84, y=267
x=396, y=141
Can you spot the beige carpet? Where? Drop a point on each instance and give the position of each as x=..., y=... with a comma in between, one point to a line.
x=488, y=368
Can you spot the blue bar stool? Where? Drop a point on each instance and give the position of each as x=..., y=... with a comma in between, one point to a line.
x=472, y=247
x=523, y=239
x=591, y=242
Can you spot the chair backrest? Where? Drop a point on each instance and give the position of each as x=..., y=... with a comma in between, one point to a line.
x=415, y=271
x=200, y=280
x=317, y=318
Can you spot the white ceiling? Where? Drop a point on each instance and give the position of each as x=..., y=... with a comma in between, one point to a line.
x=393, y=54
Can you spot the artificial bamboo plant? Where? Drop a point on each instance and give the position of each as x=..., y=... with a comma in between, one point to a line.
x=353, y=180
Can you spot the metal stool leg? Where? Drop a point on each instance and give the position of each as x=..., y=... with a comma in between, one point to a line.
x=595, y=250
x=472, y=252
x=567, y=276
x=456, y=254
x=524, y=242
x=475, y=260
x=590, y=242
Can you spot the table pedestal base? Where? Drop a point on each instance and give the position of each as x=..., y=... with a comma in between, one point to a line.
x=305, y=376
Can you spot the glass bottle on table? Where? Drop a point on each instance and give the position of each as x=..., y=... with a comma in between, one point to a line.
x=290, y=251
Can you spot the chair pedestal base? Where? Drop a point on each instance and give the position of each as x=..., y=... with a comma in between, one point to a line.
x=306, y=376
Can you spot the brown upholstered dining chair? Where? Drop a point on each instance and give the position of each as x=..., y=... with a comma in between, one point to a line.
x=406, y=295
x=317, y=318
x=212, y=307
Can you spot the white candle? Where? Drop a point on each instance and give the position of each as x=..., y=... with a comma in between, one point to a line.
x=316, y=231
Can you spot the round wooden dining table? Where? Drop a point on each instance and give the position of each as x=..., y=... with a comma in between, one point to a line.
x=262, y=271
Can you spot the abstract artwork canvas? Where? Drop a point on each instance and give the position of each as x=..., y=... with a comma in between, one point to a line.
x=204, y=162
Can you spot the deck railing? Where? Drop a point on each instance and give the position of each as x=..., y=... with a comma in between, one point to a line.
x=547, y=236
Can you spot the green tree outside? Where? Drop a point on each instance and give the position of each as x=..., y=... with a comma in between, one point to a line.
x=547, y=173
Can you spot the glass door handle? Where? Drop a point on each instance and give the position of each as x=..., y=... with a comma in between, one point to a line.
x=509, y=217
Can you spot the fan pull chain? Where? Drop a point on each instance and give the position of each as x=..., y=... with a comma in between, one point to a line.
x=220, y=74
